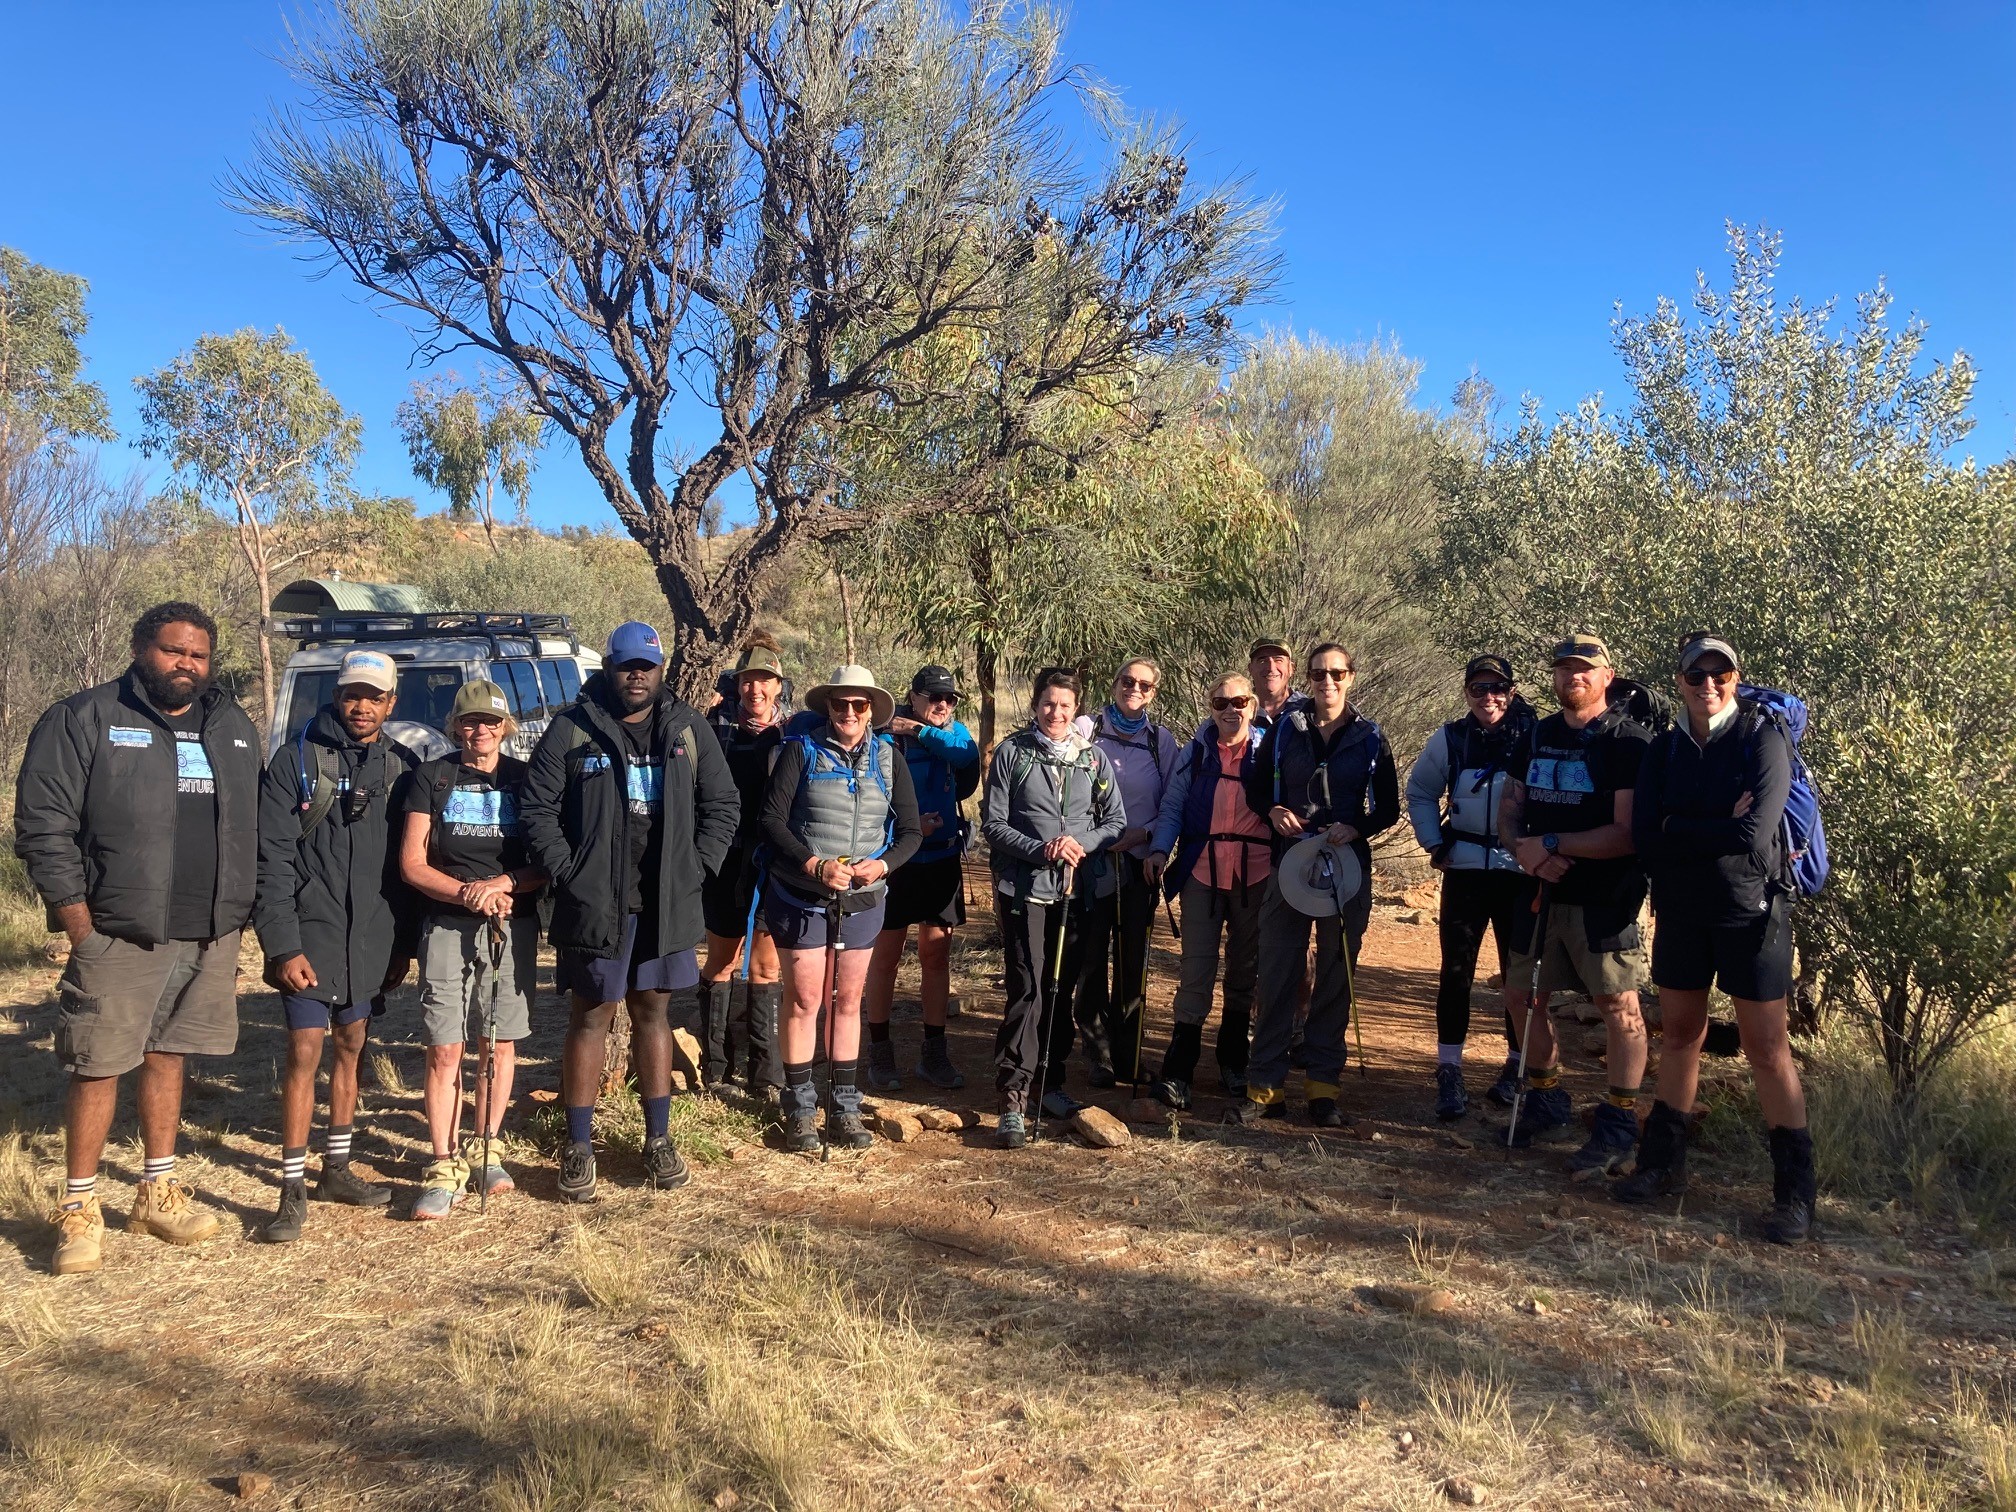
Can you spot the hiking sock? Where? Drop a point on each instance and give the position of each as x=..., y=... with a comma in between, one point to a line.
x=798, y=1074
x=78, y=1190
x=336, y=1147
x=931, y=1031
x=157, y=1168
x=580, y=1124
x=1448, y=1055
x=1543, y=1078
x=657, y=1115
x=878, y=1034
x=294, y=1163
x=841, y=1074
x=1625, y=1098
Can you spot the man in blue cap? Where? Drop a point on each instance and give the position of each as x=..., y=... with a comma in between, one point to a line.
x=628, y=803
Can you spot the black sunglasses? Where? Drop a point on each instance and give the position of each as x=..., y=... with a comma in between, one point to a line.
x=1698, y=675
x=1489, y=689
x=1329, y=674
x=1220, y=705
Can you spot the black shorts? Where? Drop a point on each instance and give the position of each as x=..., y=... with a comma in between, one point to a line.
x=1751, y=960
x=927, y=892
x=725, y=897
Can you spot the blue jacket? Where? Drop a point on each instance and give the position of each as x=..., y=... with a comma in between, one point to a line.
x=944, y=768
x=1184, y=823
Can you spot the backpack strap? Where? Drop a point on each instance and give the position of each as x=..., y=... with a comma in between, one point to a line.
x=318, y=782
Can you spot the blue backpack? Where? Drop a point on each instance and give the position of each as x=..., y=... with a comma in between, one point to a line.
x=1805, y=836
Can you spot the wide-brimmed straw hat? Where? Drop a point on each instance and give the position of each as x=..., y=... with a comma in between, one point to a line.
x=853, y=679
x=1318, y=878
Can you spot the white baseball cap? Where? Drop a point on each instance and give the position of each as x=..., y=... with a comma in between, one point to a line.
x=373, y=669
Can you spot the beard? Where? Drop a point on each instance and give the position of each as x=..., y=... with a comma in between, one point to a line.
x=176, y=691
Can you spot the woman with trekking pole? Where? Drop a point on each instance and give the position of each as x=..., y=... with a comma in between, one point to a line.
x=464, y=851
x=1707, y=819
x=1050, y=810
x=841, y=814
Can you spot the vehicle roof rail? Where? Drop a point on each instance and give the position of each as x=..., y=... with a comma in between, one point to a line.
x=364, y=626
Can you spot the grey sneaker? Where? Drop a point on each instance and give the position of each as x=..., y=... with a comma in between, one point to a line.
x=445, y=1185
x=934, y=1065
x=882, y=1066
x=662, y=1164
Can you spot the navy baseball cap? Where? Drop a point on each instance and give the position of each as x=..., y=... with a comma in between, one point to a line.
x=632, y=641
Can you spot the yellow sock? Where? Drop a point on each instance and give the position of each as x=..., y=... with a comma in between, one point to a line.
x=1544, y=1078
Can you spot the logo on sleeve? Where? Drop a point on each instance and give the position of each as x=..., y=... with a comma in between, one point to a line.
x=126, y=735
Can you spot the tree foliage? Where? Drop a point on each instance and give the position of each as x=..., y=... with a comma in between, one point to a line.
x=1786, y=481
x=762, y=207
x=42, y=326
x=471, y=442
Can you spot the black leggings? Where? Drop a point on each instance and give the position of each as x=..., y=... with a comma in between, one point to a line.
x=1473, y=901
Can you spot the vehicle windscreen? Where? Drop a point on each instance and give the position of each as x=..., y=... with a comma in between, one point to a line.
x=426, y=694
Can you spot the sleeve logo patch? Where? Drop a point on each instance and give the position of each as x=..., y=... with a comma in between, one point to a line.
x=126, y=735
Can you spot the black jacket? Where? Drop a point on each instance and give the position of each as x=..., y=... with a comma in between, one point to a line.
x=334, y=894
x=1703, y=862
x=94, y=816
x=577, y=823
x=1352, y=783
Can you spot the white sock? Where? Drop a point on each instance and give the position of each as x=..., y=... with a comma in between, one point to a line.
x=153, y=1169
x=1448, y=1055
x=79, y=1190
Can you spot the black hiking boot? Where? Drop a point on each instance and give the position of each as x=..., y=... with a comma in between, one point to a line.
x=1172, y=1092
x=800, y=1106
x=338, y=1183
x=284, y=1227
x=662, y=1164
x=1611, y=1140
x=577, y=1173
x=1662, y=1160
x=1506, y=1088
x=1793, y=1187
x=1451, y=1101
x=844, y=1129
x=1325, y=1114
x=1247, y=1112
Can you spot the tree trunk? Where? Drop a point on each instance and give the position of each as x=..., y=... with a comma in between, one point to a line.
x=489, y=515
x=846, y=616
x=616, y=1053
x=983, y=674
x=252, y=541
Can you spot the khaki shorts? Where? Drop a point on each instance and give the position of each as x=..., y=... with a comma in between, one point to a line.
x=121, y=1001
x=455, y=979
x=1570, y=963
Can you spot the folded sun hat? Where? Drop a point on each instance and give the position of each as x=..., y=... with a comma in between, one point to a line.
x=373, y=669
x=854, y=678
x=1318, y=878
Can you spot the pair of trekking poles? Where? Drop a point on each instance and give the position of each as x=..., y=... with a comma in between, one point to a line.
x=486, y=1065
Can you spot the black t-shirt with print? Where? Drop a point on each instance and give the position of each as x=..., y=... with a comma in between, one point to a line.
x=1572, y=780
x=645, y=794
x=192, y=903
x=476, y=829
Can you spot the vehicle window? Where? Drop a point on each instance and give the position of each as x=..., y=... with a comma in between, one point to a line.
x=521, y=688
x=557, y=697
x=570, y=679
x=311, y=690
x=426, y=695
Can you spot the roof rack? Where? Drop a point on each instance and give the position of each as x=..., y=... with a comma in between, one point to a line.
x=372, y=625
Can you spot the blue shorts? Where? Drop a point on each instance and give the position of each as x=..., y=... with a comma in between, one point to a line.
x=798, y=923
x=610, y=979
x=313, y=1013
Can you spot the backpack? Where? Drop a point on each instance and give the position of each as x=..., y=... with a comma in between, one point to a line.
x=1642, y=704
x=1519, y=719
x=815, y=757
x=1804, y=835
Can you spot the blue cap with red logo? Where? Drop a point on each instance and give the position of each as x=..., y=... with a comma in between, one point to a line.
x=634, y=641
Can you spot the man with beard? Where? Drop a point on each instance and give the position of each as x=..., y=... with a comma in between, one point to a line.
x=136, y=814
x=628, y=804
x=337, y=922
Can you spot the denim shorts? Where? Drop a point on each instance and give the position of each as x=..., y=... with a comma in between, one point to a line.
x=799, y=923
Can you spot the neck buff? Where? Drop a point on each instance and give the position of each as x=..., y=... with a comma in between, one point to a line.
x=1126, y=724
x=1051, y=747
x=754, y=727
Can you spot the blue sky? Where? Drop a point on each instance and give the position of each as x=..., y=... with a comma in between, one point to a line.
x=1479, y=181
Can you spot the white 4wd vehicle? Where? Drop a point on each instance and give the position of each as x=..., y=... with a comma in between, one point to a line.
x=535, y=658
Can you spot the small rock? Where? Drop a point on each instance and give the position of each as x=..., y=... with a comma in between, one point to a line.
x=1145, y=1110
x=1423, y=895
x=543, y=1095
x=726, y=1498
x=1536, y=1307
x=1404, y=1442
x=953, y=1007
x=947, y=1120
x=1596, y=1044
x=1458, y=1140
x=1463, y=1492
x=1820, y=1388
x=1423, y=1301
x=1099, y=1128
x=650, y=1328
x=900, y=1127
x=1721, y=1241
x=1269, y=1162
x=253, y=1485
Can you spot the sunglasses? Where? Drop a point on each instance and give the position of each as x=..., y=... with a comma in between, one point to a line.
x=1489, y=689
x=1220, y=705
x=1136, y=684
x=938, y=698
x=1329, y=674
x=848, y=705
x=1696, y=676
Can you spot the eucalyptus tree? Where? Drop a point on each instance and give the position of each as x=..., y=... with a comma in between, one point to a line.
x=742, y=220
x=470, y=442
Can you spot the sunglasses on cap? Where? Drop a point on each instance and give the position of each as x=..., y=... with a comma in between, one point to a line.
x=1489, y=689
x=1238, y=701
x=1696, y=676
x=848, y=705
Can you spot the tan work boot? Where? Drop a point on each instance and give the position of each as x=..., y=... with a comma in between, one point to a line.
x=80, y=1238
x=167, y=1210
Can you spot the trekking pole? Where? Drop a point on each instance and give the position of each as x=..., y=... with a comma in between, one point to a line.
x=1350, y=976
x=829, y=1010
x=1542, y=901
x=1046, y=1011
x=487, y=1062
x=1141, y=998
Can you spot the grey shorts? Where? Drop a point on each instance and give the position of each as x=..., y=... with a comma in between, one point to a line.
x=120, y=1001
x=455, y=979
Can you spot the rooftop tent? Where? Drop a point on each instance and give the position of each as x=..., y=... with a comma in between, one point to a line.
x=331, y=595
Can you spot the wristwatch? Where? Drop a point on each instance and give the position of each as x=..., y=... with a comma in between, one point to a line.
x=1550, y=843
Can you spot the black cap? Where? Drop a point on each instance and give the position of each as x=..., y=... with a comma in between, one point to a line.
x=935, y=679
x=1488, y=662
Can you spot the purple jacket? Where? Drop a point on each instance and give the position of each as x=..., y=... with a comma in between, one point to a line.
x=1142, y=765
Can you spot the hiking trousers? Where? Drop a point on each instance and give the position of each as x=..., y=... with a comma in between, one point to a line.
x=1111, y=983
x=1284, y=947
x=1029, y=933
x=1473, y=901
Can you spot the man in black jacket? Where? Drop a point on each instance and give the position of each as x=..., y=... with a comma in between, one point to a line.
x=337, y=924
x=136, y=813
x=627, y=805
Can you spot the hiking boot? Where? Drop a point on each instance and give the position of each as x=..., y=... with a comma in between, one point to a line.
x=934, y=1064
x=882, y=1066
x=800, y=1106
x=80, y=1237
x=167, y=1210
x=1325, y=1114
x=1232, y=1083
x=577, y=1173
x=1662, y=1160
x=845, y=1131
x=1451, y=1101
x=1506, y=1089
x=338, y=1183
x=1248, y=1112
x=1545, y=1117
x=285, y=1226
x=1057, y=1103
x=1101, y=1077
x=445, y=1184
x=1793, y=1187
x=1172, y=1092
x=1010, y=1132
x=1612, y=1138
x=662, y=1165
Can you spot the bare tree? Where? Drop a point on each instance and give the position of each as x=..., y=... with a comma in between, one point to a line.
x=806, y=216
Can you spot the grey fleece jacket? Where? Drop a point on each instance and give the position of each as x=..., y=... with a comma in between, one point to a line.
x=1033, y=796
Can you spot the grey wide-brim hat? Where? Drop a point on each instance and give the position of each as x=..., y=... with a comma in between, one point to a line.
x=1318, y=878
x=854, y=679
